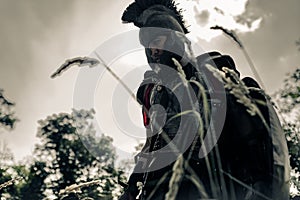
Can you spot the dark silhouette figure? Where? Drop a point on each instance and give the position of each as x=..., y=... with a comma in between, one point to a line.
x=209, y=134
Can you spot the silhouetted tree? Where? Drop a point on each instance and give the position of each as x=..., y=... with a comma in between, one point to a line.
x=61, y=159
x=288, y=100
x=7, y=168
x=7, y=115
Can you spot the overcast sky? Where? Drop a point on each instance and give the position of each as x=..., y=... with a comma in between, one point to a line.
x=37, y=36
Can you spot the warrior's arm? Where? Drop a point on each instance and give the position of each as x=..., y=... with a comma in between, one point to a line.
x=137, y=175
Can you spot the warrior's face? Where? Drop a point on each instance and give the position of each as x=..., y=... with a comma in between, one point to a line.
x=156, y=47
x=161, y=45
x=158, y=22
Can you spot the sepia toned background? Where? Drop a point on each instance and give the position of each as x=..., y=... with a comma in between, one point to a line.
x=36, y=37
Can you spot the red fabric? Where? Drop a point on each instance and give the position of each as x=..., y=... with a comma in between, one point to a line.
x=146, y=107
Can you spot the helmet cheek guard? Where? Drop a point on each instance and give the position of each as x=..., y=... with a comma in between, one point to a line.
x=174, y=46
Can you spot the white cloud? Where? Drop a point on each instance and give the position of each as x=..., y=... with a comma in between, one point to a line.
x=203, y=14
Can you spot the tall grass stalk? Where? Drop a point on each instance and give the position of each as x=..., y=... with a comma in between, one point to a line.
x=10, y=182
x=231, y=34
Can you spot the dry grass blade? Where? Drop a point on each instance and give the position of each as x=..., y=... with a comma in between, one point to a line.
x=234, y=36
x=80, y=61
x=230, y=33
x=161, y=180
x=91, y=62
x=10, y=182
x=239, y=90
x=262, y=196
x=177, y=175
x=76, y=187
x=116, y=77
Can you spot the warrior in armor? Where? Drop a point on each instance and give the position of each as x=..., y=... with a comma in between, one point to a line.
x=184, y=107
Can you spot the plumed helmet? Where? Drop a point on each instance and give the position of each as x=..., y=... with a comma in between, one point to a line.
x=156, y=18
x=155, y=13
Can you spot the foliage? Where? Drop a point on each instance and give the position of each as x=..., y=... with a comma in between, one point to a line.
x=33, y=185
x=288, y=99
x=62, y=159
x=6, y=181
x=289, y=96
x=7, y=115
x=8, y=172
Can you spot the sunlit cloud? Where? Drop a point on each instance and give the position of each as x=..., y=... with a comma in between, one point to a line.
x=200, y=15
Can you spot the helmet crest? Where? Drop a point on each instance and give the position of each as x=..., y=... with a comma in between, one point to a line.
x=141, y=12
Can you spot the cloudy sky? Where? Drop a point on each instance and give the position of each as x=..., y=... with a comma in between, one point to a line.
x=37, y=36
